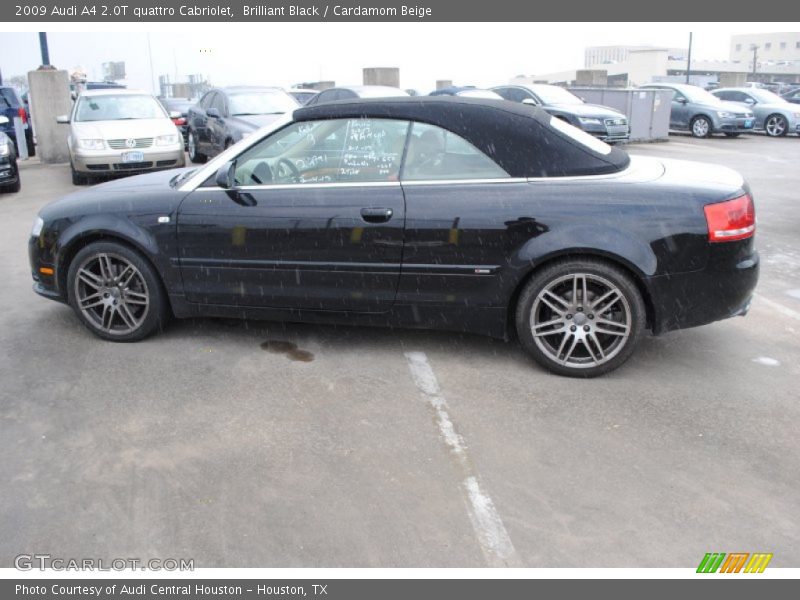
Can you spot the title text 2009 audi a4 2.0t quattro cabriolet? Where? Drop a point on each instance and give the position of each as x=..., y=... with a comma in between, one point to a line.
x=470, y=215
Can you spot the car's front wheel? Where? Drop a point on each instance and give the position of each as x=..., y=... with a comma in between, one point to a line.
x=194, y=155
x=701, y=127
x=776, y=126
x=580, y=317
x=116, y=293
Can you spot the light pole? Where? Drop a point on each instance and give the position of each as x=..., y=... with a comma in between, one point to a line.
x=754, y=48
x=689, y=59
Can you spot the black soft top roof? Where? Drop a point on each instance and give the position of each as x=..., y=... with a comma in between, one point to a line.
x=518, y=137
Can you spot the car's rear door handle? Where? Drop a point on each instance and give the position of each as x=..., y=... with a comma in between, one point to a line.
x=376, y=215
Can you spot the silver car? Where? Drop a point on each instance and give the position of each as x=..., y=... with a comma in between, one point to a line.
x=120, y=132
x=774, y=115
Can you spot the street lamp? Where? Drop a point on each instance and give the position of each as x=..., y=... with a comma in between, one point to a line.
x=754, y=48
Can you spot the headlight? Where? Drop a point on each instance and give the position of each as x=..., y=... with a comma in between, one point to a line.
x=589, y=121
x=4, y=149
x=167, y=140
x=92, y=144
x=38, y=225
x=725, y=115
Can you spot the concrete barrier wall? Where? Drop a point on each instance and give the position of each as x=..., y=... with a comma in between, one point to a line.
x=49, y=94
x=647, y=110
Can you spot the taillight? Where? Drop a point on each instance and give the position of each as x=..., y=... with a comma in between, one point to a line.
x=179, y=121
x=731, y=220
x=23, y=115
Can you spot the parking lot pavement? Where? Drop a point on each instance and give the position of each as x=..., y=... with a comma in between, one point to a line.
x=380, y=447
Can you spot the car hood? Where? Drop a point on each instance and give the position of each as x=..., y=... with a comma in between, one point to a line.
x=134, y=128
x=587, y=110
x=140, y=194
x=253, y=122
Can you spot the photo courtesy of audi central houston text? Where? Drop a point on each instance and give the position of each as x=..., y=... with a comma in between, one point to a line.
x=466, y=297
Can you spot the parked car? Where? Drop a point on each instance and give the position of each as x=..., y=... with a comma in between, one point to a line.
x=466, y=91
x=600, y=121
x=792, y=96
x=9, y=172
x=11, y=106
x=226, y=115
x=178, y=108
x=302, y=95
x=356, y=91
x=451, y=213
x=774, y=115
x=120, y=132
x=703, y=114
x=75, y=89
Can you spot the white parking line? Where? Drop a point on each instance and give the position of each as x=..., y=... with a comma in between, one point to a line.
x=489, y=529
x=784, y=310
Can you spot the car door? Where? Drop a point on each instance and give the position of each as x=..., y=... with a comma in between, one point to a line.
x=315, y=221
x=199, y=121
x=680, y=113
x=217, y=124
x=458, y=235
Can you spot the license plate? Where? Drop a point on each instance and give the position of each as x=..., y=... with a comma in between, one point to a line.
x=748, y=124
x=129, y=157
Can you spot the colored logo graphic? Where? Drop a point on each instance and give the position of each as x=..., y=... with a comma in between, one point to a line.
x=735, y=562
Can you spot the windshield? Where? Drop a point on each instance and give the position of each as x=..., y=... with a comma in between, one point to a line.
x=696, y=94
x=766, y=97
x=114, y=108
x=486, y=94
x=551, y=94
x=261, y=103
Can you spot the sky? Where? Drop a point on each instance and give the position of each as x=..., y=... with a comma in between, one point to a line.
x=481, y=54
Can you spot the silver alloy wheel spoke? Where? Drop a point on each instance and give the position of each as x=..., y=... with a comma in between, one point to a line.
x=112, y=293
x=580, y=320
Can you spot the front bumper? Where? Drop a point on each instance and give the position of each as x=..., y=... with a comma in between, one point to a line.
x=109, y=162
x=609, y=130
x=723, y=289
x=736, y=125
x=8, y=170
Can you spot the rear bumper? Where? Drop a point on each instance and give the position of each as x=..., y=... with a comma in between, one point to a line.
x=723, y=289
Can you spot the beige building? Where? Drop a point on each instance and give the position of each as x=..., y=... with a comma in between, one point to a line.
x=771, y=48
x=598, y=56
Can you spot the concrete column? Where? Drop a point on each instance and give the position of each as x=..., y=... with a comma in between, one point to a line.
x=382, y=76
x=49, y=97
x=443, y=83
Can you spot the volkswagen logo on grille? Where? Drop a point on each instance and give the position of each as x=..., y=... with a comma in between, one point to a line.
x=130, y=143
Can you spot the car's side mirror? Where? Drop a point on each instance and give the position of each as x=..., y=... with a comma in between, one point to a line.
x=213, y=113
x=682, y=100
x=174, y=114
x=63, y=119
x=530, y=101
x=3, y=119
x=225, y=177
x=750, y=101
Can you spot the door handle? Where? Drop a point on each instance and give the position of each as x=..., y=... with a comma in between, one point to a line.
x=376, y=215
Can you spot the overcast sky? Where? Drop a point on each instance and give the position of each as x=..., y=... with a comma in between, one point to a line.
x=287, y=53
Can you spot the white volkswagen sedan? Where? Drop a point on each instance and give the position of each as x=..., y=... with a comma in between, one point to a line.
x=120, y=132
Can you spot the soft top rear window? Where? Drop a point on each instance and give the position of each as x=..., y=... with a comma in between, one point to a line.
x=580, y=136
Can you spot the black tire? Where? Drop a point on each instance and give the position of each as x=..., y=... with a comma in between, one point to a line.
x=194, y=156
x=78, y=178
x=149, y=314
x=776, y=125
x=31, y=146
x=13, y=188
x=611, y=334
x=698, y=130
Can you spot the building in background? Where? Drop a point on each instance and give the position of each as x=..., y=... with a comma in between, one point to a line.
x=770, y=48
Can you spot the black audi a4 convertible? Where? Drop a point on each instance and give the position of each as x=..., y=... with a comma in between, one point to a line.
x=471, y=215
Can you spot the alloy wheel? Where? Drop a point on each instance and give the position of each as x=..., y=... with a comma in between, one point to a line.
x=112, y=294
x=700, y=127
x=580, y=320
x=192, y=146
x=776, y=126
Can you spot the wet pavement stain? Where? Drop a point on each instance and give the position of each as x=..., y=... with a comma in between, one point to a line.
x=290, y=349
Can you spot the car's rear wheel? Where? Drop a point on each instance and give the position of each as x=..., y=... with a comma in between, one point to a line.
x=701, y=127
x=194, y=155
x=116, y=293
x=776, y=126
x=580, y=317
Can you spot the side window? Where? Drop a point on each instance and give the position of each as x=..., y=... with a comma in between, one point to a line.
x=512, y=94
x=435, y=154
x=724, y=95
x=219, y=103
x=328, y=96
x=328, y=151
x=677, y=96
x=205, y=103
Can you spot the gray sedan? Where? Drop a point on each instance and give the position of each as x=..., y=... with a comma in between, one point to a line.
x=774, y=115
